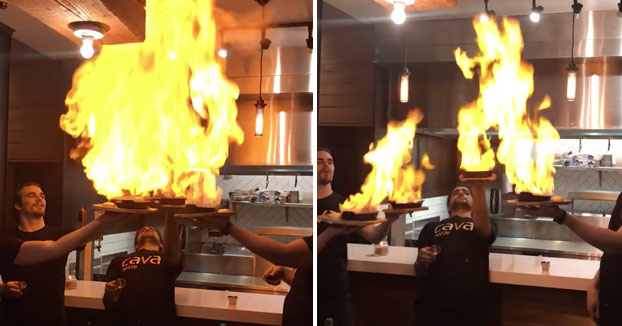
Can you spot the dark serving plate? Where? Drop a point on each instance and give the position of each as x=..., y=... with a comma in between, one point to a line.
x=476, y=174
x=528, y=197
x=352, y=216
x=416, y=204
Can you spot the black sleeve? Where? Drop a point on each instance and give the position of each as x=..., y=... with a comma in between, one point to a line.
x=493, y=234
x=113, y=272
x=309, y=242
x=9, y=247
x=616, y=220
x=426, y=237
x=175, y=269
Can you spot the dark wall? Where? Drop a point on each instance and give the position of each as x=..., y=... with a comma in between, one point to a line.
x=5, y=54
x=346, y=70
x=348, y=145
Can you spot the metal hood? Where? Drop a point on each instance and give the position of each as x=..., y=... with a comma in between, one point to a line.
x=285, y=147
x=439, y=88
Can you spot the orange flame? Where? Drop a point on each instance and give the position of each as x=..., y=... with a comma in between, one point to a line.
x=156, y=116
x=392, y=173
x=505, y=82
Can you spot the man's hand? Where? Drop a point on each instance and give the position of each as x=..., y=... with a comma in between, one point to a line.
x=541, y=211
x=392, y=217
x=592, y=303
x=11, y=290
x=113, y=289
x=273, y=275
x=426, y=256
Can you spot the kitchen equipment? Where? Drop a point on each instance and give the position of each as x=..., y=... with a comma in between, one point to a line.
x=293, y=196
x=494, y=200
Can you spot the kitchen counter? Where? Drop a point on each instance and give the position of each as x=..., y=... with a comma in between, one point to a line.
x=564, y=273
x=555, y=248
x=195, y=303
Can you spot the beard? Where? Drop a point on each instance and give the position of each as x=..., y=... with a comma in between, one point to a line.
x=322, y=180
x=460, y=206
x=148, y=239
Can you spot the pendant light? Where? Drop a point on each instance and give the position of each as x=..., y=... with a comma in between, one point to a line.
x=405, y=76
x=264, y=44
x=398, y=16
x=487, y=14
x=536, y=12
x=571, y=85
x=88, y=31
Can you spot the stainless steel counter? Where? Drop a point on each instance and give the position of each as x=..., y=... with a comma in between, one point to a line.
x=233, y=282
x=555, y=248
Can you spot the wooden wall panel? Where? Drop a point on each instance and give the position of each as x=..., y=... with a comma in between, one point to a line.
x=346, y=70
x=36, y=100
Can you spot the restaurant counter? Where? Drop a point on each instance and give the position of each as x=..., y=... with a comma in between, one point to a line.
x=523, y=292
x=192, y=304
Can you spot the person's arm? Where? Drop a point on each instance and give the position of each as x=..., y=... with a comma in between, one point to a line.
x=33, y=252
x=170, y=250
x=11, y=289
x=295, y=254
x=111, y=292
x=333, y=231
x=481, y=218
x=592, y=297
x=288, y=275
x=424, y=254
x=375, y=233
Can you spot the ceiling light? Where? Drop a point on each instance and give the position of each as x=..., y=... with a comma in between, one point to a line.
x=535, y=12
x=88, y=31
x=619, y=13
x=399, y=10
x=571, y=84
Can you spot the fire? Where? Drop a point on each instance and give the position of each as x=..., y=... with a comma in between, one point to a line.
x=392, y=173
x=505, y=83
x=156, y=117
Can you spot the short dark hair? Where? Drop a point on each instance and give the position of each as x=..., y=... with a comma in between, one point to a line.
x=454, y=188
x=18, y=191
x=325, y=149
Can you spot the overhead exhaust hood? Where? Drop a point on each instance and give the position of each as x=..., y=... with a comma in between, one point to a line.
x=442, y=89
x=285, y=147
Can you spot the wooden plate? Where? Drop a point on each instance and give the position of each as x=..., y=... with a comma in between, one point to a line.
x=148, y=210
x=466, y=179
x=516, y=202
x=404, y=210
x=202, y=215
x=335, y=218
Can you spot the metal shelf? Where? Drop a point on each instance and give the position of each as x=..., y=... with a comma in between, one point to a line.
x=582, y=168
x=284, y=205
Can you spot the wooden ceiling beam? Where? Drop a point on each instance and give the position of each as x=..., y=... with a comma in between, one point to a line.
x=126, y=18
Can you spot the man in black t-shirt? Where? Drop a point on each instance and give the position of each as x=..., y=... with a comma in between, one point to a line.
x=455, y=288
x=46, y=281
x=604, y=297
x=333, y=289
x=148, y=296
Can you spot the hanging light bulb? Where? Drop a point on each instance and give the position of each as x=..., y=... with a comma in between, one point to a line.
x=88, y=31
x=223, y=53
x=571, y=86
x=619, y=13
x=535, y=12
x=404, y=87
x=399, y=13
x=87, y=50
x=259, y=110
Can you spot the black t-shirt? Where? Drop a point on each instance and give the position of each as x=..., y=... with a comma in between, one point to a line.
x=298, y=306
x=610, y=286
x=459, y=279
x=333, y=290
x=9, y=247
x=43, y=301
x=149, y=294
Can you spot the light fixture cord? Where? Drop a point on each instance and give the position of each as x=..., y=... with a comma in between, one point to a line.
x=405, y=49
x=572, y=42
x=263, y=35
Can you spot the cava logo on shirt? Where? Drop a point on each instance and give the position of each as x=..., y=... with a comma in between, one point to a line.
x=134, y=262
x=447, y=228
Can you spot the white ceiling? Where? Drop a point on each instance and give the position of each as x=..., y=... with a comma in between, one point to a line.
x=45, y=40
x=370, y=12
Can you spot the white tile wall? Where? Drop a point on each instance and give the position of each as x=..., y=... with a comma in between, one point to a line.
x=437, y=206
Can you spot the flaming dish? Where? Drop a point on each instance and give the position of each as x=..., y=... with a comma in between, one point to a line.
x=392, y=176
x=525, y=136
x=156, y=117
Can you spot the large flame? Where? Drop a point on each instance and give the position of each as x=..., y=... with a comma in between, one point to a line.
x=156, y=116
x=392, y=174
x=505, y=83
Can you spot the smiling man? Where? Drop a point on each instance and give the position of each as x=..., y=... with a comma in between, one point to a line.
x=46, y=281
x=455, y=287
